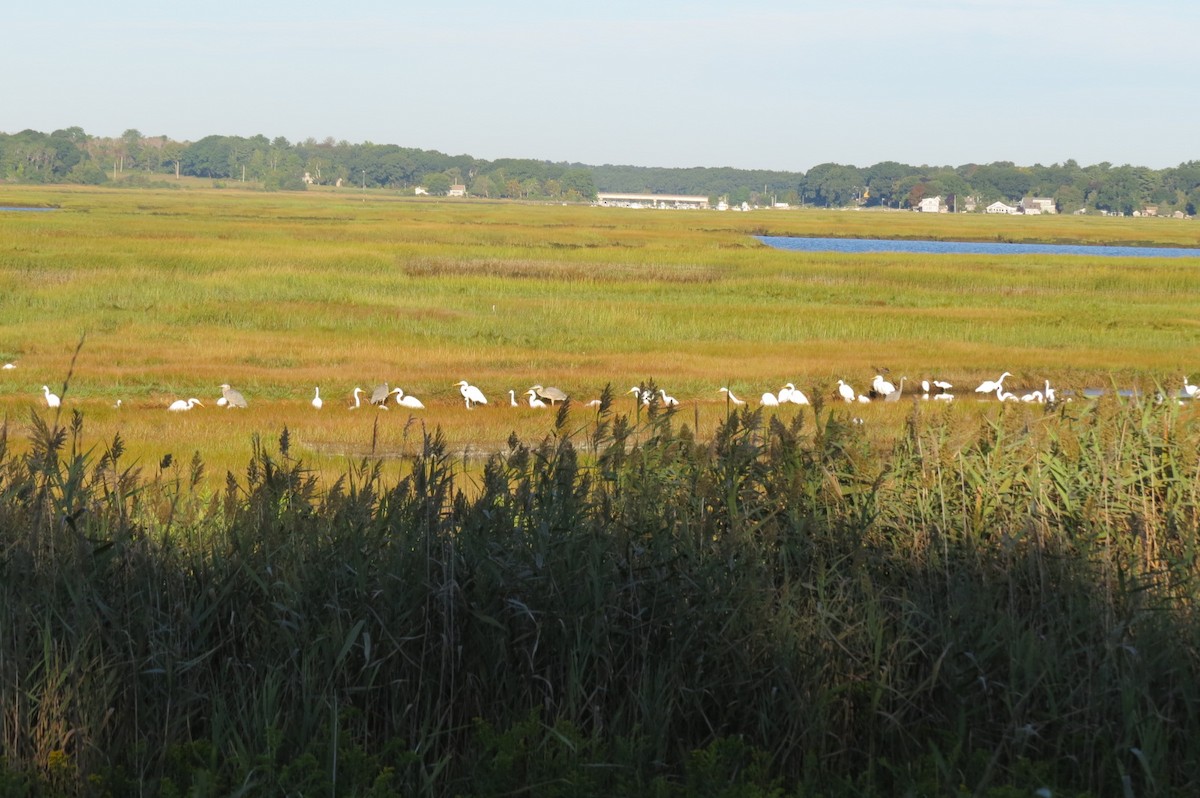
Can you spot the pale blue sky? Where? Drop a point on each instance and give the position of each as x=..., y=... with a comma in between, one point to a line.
x=753, y=84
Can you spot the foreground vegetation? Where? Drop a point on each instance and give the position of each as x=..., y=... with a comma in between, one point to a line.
x=786, y=610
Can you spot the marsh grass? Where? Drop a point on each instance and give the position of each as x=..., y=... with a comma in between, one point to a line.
x=180, y=291
x=788, y=606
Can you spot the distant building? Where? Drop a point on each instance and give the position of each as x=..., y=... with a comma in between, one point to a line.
x=1036, y=205
x=1000, y=207
x=650, y=200
x=930, y=205
x=457, y=190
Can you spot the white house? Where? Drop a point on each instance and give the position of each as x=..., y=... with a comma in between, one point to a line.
x=1035, y=205
x=1000, y=207
x=457, y=190
x=930, y=205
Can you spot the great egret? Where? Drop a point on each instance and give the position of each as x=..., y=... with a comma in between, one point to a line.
x=785, y=394
x=533, y=399
x=1192, y=391
x=769, y=400
x=232, y=398
x=1005, y=396
x=845, y=391
x=222, y=402
x=991, y=386
x=643, y=396
x=13, y=365
x=732, y=399
x=181, y=404
x=794, y=395
x=380, y=394
x=1050, y=395
x=863, y=399
x=406, y=400
x=1034, y=396
x=316, y=400
x=550, y=394
x=512, y=398
x=945, y=386
x=470, y=394
x=52, y=400
x=882, y=386
x=668, y=401
x=357, y=399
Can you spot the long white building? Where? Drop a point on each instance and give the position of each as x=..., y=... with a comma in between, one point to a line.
x=650, y=200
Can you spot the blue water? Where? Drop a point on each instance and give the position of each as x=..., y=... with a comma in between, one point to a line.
x=24, y=208
x=857, y=245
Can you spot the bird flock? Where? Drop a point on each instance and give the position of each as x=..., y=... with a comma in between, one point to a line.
x=383, y=397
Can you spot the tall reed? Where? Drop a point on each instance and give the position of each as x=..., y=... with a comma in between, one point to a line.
x=620, y=608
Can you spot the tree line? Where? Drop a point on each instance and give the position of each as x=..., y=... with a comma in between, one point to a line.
x=71, y=155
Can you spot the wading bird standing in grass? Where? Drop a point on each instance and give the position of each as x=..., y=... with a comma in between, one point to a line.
x=668, y=401
x=845, y=391
x=991, y=386
x=512, y=398
x=790, y=393
x=13, y=365
x=406, y=400
x=894, y=396
x=1192, y=391
x=643, y=396
x=534, y=401
x=550, y=394
x=380, y=394
x=731, y=398
x=317, y=402
x=231, y=397
x=1034, y=396
x=52, y=400
x=470, y=394
x=881, y=387
x=357, y=400
x=180, y=405
x=769, y=399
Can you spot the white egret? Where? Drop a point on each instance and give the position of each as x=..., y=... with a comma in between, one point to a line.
x=1033, y=396
x=1192, y=391
x=864, y=399
x=785, y=394
x=317, y=402
x=643, y=396
x=925, y=388
x=533, y=399
x=1005, y=396
x=945, y=386
x=882, y=387
x=845, y=391
x=222, y=402
x=407, y=400
x=732, y=399
x=550, y=394
x=669, y=401
x=991, y=386
x=512, y=398
x=52, y=400
x=181, y=404
x=769, y=400
x=357, y=399
x=470, y=394
x=1050, y=395
x=13, y=365
x=232, y=398
x=794, y=395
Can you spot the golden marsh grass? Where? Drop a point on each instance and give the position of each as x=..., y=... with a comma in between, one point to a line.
x=179, y=291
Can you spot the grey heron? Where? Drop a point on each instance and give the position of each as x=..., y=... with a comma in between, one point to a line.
x=232, y=398
x=550, y=395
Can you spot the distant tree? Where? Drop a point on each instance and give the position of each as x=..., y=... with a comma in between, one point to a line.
x=437, y=183
x=481, y=187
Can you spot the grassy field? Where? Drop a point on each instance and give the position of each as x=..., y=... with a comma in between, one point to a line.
x=176, y=292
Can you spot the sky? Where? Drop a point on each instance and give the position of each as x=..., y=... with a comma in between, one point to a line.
x=752, y=84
